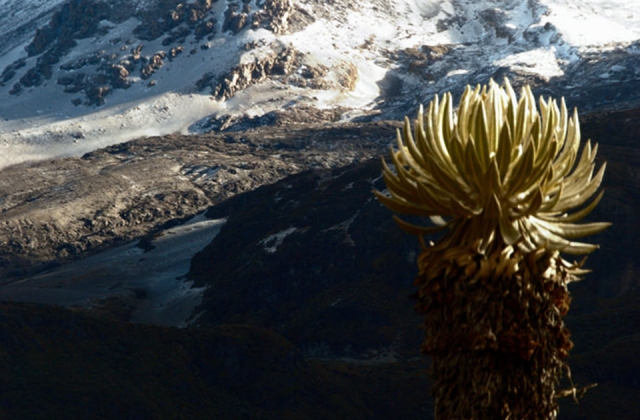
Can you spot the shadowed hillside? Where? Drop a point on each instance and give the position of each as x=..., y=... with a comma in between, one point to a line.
x=61, y=364
x=307, y=312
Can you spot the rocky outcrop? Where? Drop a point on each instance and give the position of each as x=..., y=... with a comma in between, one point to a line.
x=172, y=19
x=16, y=89
x=73, y=84
x=80, y=19
x=32, y=77
x=168, y=15
x=294, y=116
x=418, y=61
x=287, y=66
x=119, y=76
x=97, y=86
x=274, y=15
x=75, y=20
x=175, y=51
x=498, y=20
x=135, y=52
x=236, y=17
x=347, y=76
x=205, y=28
x=155, y=62
x=10, y=70
x=254, y=72
x=96, y=94
x=96, y=58
x=108, y=75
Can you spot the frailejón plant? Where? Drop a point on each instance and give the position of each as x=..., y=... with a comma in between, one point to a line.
x=505, y=181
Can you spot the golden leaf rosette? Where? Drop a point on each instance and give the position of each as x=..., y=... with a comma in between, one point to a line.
x=499, y=172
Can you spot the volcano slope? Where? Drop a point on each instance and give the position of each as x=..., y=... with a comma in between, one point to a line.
x=306, y=311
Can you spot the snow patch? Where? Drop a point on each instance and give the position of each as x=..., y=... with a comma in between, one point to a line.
x=541, y=61
x=272, y=242
x=595, y=22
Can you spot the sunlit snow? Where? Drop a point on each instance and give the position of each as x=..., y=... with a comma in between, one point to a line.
x=541, y=61
x=41, y=122
x=595, y=22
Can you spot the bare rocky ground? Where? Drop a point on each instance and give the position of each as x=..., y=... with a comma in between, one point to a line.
x=55, y=211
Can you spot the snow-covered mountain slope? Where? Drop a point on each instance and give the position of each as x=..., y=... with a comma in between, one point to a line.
x=101, y=72
x=19, y=18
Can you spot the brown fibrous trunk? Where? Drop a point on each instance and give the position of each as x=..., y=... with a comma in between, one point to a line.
x=495, y=332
